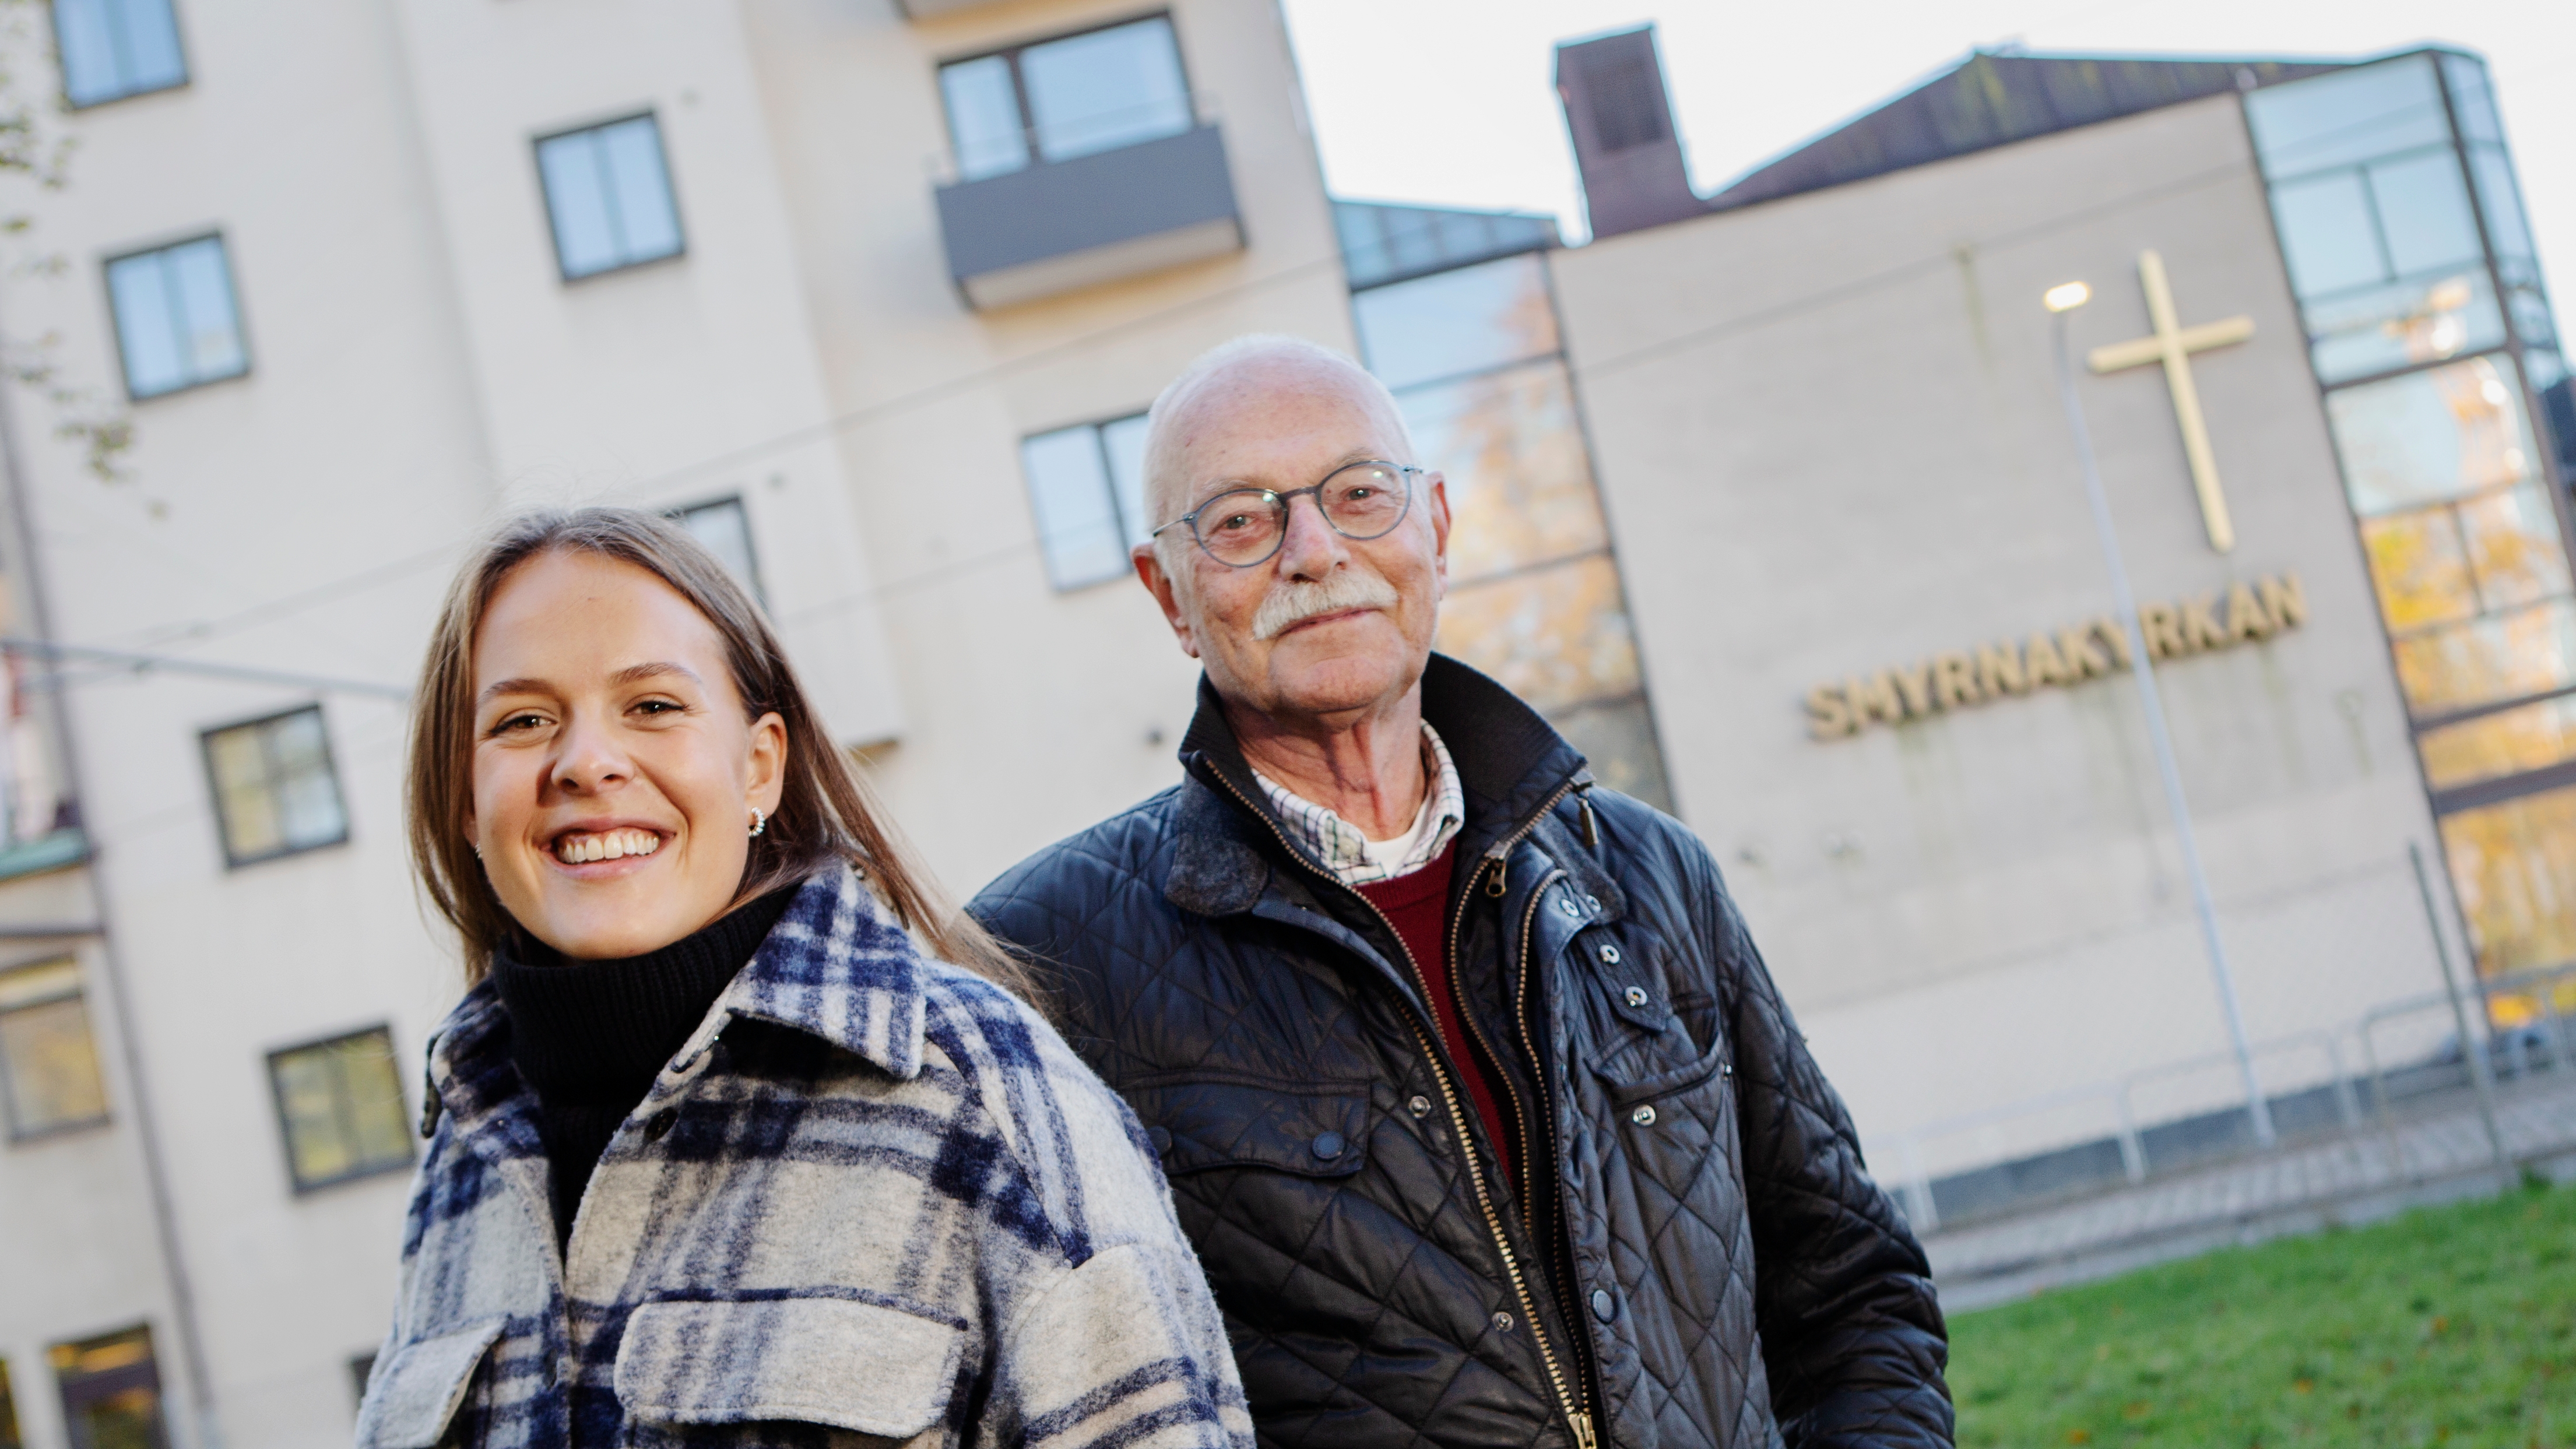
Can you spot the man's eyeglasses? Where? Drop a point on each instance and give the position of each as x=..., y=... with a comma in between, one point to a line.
x=1245, y=526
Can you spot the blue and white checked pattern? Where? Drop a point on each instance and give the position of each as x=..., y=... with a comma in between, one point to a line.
x=1343, y=848
x=874, y=1195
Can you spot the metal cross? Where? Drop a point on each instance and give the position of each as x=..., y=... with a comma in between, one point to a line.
x=2173, y=345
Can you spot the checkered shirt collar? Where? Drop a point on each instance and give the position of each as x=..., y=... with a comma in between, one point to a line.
x=1342, y=847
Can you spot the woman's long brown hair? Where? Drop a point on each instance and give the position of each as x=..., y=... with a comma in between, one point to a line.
x=826, y=814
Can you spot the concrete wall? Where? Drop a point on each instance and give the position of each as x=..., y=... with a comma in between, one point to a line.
x=1830, y=441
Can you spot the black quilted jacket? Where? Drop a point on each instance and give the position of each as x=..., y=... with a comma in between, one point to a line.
x=1709, y=1262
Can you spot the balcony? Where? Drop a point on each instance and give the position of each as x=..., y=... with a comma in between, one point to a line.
x=1056, y=226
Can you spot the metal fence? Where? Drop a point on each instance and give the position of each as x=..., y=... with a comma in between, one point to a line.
x=2338, y=1100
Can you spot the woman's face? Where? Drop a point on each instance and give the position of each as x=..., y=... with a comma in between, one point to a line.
x=614, y=772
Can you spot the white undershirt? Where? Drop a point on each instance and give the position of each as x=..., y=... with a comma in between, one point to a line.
x=1386, y=855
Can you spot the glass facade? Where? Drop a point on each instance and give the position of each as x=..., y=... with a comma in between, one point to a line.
x=2402, y=230
x=1474, y=358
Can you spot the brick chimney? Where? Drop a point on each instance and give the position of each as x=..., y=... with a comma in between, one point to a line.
x=1624, y=142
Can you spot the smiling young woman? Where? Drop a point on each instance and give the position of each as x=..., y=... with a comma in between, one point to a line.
x=741, y=1134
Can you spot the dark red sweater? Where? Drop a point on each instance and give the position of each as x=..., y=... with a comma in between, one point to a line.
x=1418, y=905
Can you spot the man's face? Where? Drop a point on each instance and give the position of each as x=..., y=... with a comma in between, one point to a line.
x=1282, y=424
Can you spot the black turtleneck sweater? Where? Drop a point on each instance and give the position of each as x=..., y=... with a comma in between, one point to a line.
x=590, y=1036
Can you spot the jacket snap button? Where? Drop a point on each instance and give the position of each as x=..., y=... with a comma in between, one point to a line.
x=1636, y=996
x=1329, y=1146
x=1161, y=1137
x=1610, y=955
x=1419, y=1106
x=1604, y=1307
x=1643, y=1116
x=660, y=1124
x=1502, y=1323
x=1592, y=903
x=1567, y=905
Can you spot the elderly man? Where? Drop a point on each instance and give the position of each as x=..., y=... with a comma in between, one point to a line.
x=1481, y=1109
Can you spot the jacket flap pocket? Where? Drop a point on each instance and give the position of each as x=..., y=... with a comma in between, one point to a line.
x=829, y=1361
x=1627, y=1090
x=1316, y=1130
x=412, y=1395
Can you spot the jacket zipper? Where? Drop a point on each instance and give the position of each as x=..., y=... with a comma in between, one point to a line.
x=1568, y=1398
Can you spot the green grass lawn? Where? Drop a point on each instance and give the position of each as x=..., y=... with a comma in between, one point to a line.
x=2452, y=1326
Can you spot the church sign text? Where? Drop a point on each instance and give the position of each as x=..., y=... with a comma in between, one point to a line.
x=2241, y=614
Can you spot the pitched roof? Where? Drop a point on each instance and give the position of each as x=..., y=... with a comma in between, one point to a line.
x=1994, y=99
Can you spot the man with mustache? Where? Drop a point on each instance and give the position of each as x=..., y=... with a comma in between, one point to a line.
x=1475, y=1097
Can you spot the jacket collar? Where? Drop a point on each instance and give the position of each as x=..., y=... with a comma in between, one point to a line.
x=1511, y=764
x=837, y=966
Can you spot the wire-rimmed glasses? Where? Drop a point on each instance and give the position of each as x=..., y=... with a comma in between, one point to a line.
x=1245, y=526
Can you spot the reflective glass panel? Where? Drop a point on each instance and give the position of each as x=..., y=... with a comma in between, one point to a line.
x=2501, y=198
x=275, y=790
x=341, y=1105
x=1077, y=519
x=1456, y=322
x=1520, y=485
x=111, y=1390
x=2431, y=435
x=2421, y=568
x=724, y=526
x=2346, y=116
x=2499, y=657
x=2403, y=324
x=1555, y=636
x=2424, y=213
x=2326, y=233
x=1107, y=89
x=1124, y=442
x=2472, y=100
x=984, y=117
x=111, y=49
x=2509, y=742
x=2515, y=546
x=608, y=194
x=1617, y=739
x=176, y=325
x=2513, y=867
x=49, y=1074
x=2531, y=317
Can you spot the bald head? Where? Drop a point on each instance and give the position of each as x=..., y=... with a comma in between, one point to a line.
x=1236, y=385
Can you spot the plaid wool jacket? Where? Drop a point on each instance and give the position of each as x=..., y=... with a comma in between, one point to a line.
x=874, y=1200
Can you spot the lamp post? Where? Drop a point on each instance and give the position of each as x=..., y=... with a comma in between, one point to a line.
x=2062, y=300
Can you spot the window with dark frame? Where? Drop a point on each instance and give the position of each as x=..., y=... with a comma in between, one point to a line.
x=111, y=1388
x=608, y=197
x=178, y=322
x=49, y=1077
x=112, y=49
x=1087, y=490
x=1066, y=96
x=276, y=792
x=340, y=1108
x=724, y=526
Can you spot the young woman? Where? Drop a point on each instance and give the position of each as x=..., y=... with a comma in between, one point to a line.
x=741, y=1135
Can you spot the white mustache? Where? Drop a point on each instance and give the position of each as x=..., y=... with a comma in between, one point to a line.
x=1294, y=603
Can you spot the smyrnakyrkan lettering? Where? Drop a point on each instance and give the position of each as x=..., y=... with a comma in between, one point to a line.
x=2241, y=614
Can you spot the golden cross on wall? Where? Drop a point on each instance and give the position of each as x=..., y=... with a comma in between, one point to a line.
x=2172, y=345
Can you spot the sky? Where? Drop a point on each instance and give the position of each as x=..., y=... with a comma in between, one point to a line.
x=1452, y=102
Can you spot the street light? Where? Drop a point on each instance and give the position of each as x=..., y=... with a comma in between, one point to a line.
x=2062, y=300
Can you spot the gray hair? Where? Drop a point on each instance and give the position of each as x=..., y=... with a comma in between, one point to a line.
x=1163, y=483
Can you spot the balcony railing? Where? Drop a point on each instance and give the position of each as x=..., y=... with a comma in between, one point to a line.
x=1058, y=225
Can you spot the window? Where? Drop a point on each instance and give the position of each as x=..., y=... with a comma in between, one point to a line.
x=112, y=49
x=1087, y=487
x=49, y=1078
x=608, y=192
x=111, y=1391
x=275, y=792
x=176, y=324
x=340, y=1105
x=1066, y=97
x=724, y=526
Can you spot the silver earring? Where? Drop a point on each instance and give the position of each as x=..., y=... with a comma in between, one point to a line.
x=759, y=822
